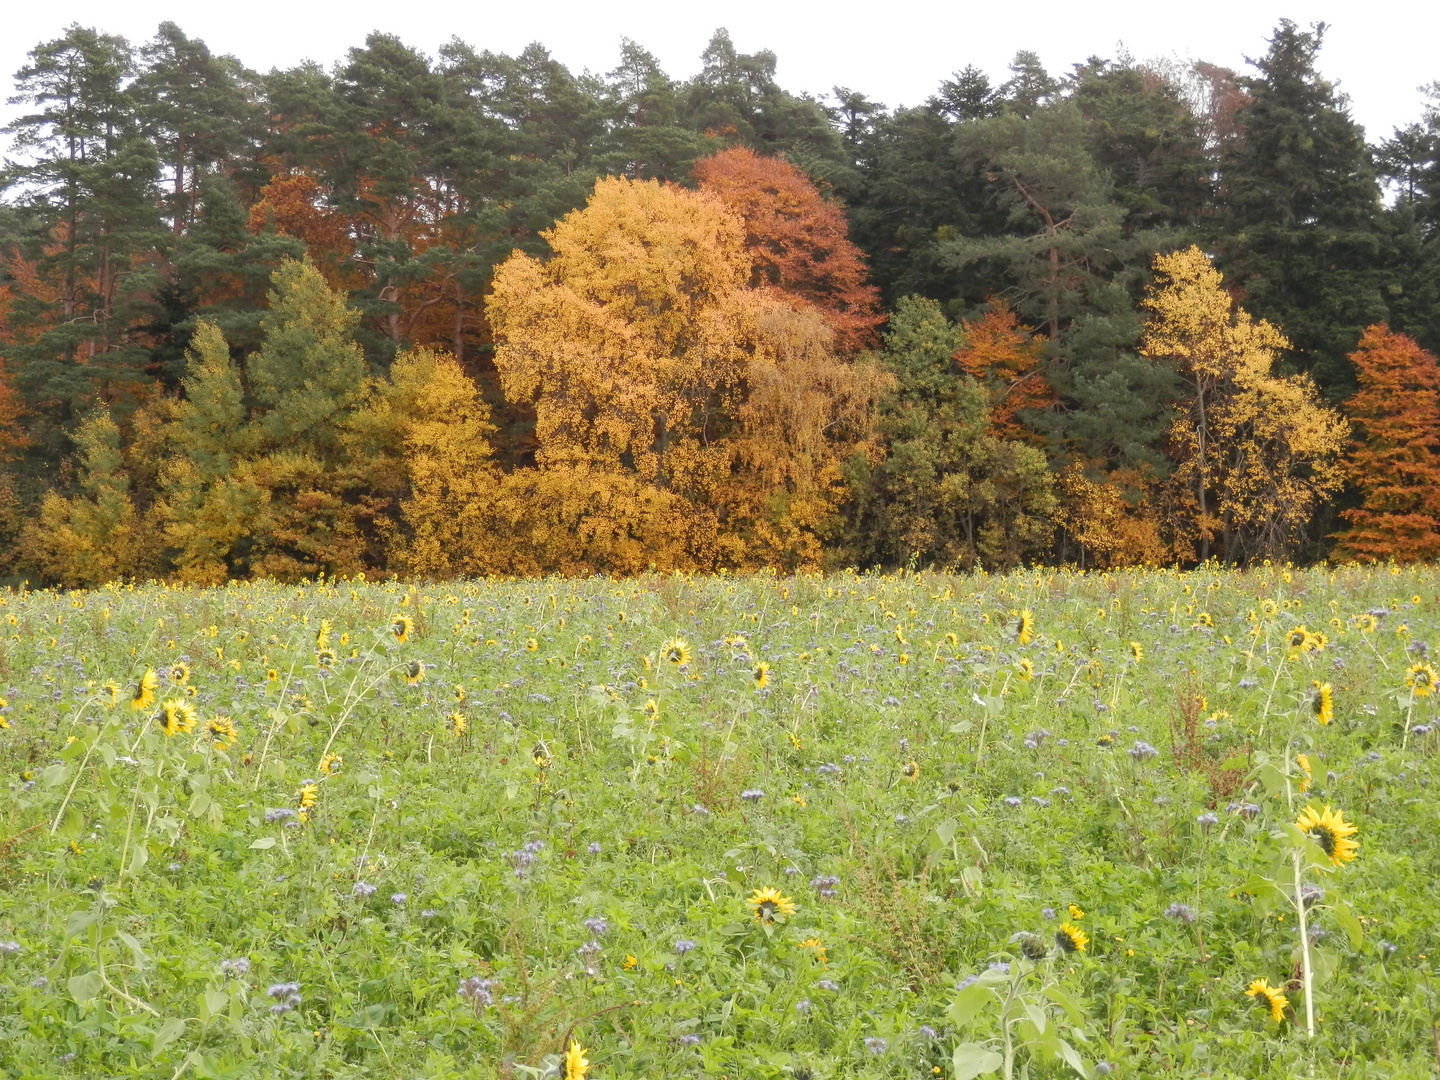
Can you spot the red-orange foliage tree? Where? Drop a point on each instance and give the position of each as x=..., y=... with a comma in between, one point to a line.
x=1005, y=359
x=294, y=206
x=1393, y=461
x=797, y=241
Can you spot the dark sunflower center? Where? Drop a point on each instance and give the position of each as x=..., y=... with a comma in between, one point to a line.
x=1325, y=838
x=767, y=910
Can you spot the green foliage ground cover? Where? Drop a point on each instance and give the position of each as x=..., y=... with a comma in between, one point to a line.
x=918, y=793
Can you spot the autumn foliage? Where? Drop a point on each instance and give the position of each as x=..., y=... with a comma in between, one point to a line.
x=797, y=241
x=1393, y=462
x=1005, y=359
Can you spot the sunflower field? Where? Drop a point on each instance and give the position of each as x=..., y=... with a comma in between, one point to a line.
x=1050, y=824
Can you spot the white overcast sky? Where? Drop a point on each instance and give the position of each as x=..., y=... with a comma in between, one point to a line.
x=895, y=51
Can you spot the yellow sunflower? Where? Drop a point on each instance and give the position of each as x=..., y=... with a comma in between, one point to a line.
x=402, y=627
x=1331, y=831
x=1299, y=640
x=1366, y=623
x=1136, y=652
x=576, y=1063
x=322, y=636
x=675, y=651
x=819, y=949
x=1303, y=760
x=456, y=723
x=414, y=672
x=1322, y=702
x=177, y=716
x=1025, y=628
x=1420, y=678
x=143, y=695
x=220, y=730
x=1071, y=938
x=768, y=903
x=1272, y=997
x=309, y=796
x=179, y=674
x=910, y=770
x=761, y=675
x=1027, y=669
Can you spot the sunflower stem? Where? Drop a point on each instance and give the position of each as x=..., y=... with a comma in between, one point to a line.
x=1305, y=971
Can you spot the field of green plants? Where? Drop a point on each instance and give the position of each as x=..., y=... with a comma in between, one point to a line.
x=1049, y=824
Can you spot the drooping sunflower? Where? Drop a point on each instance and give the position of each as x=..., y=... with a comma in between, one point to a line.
x=769, y=903
x=1071, y=938
x=143, y=696
x=325, y=659
x=456, y=723
x=178, y=673
x=1322, y=703
x=1025, y=628
x=309, y=795
x=1420, y=678
x=1270, y=996
x=1136, y=652
x=322, y=636
x=459, y=694
x=1026, y=668
x=111, y=691
x=576, y=1063
x=1075, y=912
x=330, y=764
x=177, y=716
x=675, y=651
x=402, y=627
x=1331, y=831
x=220, y=730
x=761, y=675
x=1366, y=623
x=910, y=770
x=414, y=672
x=1303, y=760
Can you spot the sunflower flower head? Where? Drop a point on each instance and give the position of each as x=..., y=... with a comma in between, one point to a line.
x=768, y=904
x=143, y=696
x=177, y=716
x=575, y=1064
x=1331, y=831
x=675, y=651
x=1136, y=652
x=322, y=636
x=761, y=675
x=414, y=672
x=179, y=674
x=1322, y=703
x=910, y=770
x=401, y=627
x=1071, y=938
x=1420, y=678
x=456, y=723
x=309, y=795
x=220, y=730
x=818, y=949
x=1269, y=996
x=1303, y=760
x=1025, y=628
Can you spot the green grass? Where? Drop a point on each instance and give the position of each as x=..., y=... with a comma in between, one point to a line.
x=133, y=864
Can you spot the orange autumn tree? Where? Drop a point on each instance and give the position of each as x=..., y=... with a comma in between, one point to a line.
x=294, y=206
x=1393, y=461
x=1004, y=358
x=797, y=241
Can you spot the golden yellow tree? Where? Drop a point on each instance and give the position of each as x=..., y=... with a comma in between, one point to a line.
x=95, y=535
x=424, y=439
x=668, y=393
x=1256, y=453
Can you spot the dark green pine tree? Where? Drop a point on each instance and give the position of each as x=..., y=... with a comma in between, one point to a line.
x=1298, y=226
x=1410, y=164
x=87, y=193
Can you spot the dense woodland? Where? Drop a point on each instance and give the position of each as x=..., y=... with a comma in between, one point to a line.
x=478, y=314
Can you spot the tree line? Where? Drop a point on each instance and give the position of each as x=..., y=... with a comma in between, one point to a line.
x=474, y=313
